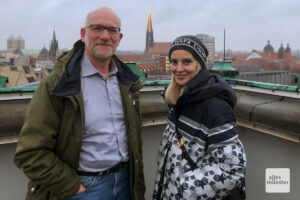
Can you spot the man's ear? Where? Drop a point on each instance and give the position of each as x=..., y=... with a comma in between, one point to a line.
x=121, y=36
x=82, y=34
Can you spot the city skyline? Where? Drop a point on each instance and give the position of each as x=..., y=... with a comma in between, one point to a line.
x=249, y=24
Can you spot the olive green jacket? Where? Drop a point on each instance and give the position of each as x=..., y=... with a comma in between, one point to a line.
x=50, y=140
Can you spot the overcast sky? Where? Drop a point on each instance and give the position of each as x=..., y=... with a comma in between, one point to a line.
x=248, y=23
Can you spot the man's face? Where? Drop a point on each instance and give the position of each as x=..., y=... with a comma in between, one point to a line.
x=101, y=34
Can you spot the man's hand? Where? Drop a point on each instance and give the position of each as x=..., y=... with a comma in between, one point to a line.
x=81, y=189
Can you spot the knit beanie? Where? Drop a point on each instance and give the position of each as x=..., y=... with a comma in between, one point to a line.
x=191, y=44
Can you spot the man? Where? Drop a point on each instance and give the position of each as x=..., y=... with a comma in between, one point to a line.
x=81, y=137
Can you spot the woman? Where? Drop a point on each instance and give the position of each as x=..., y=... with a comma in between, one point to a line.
x=200, y=155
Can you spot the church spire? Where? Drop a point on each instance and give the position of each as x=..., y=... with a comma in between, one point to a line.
x=53, y=50
x=149, y=22
x=149, y=33
x=54, y=36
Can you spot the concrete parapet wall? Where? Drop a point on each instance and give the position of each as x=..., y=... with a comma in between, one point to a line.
x=12, y=113
x=153, y=108
x=264, y=112
x=276, y=115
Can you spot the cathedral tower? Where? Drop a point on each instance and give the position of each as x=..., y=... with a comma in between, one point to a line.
x=149, y=34
x=53, y=50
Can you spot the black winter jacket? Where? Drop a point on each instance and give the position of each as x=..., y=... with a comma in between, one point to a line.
x=204, y=117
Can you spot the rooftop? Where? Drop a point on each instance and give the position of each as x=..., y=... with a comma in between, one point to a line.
x=11, y=37
x=31, y=51
x=159, y=48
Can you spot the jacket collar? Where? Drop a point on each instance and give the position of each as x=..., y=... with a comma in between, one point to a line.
x=70, y=82
x=204, y=86
x=197, y=81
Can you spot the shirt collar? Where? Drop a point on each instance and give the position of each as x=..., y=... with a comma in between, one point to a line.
x=88, y=69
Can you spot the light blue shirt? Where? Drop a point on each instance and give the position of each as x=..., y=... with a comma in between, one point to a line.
x=104, y=140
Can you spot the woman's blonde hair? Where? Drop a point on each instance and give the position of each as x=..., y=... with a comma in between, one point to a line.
x=174, y=91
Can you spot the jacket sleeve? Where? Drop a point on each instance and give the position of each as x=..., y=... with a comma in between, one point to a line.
x=224, y=161
x=35, y=152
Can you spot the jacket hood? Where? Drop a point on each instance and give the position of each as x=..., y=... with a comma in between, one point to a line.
x=70, y=82
x=205, y=85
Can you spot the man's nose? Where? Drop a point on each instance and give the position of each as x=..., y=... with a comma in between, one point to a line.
x=105, y=34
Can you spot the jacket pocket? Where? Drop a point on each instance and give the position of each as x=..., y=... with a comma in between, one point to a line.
x=88, y=181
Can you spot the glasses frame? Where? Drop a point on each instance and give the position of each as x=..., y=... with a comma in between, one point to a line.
x=100, y=28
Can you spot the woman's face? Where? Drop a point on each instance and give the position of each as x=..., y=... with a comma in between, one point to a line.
x=183, y=66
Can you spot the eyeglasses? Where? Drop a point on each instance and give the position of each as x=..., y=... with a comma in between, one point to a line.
x=100, y=28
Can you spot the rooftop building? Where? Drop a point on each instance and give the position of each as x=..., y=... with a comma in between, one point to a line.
x=209, y=42
x=14, y=43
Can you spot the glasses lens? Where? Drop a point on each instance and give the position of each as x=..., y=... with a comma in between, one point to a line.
x=96, y=28
x=112, y=30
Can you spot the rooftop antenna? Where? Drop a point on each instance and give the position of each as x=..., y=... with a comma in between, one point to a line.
x=224, y=46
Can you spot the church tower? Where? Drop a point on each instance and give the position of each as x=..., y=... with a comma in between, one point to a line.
x=11, y=44
x=53, y=50
x=149, y=34
x=281, y=52
x=288, y=49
